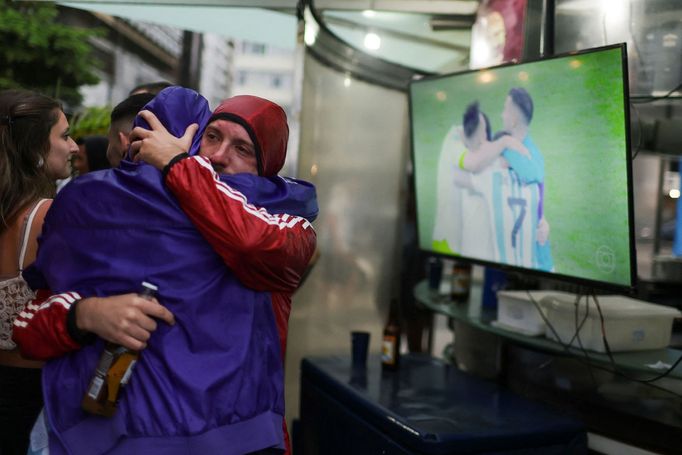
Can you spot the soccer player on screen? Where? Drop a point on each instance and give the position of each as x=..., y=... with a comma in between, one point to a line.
x=454, y=204
x=481, y=176
x=516, y=117
x=447, y=229
x=476, y=227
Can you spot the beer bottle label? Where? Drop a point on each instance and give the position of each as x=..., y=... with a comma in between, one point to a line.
x=95, y=387
x=105, y=361
x=126, y=376
x=388, y=349
x=461, y=283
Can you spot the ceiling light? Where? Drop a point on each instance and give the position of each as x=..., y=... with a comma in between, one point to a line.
x=311, y=29
x=372, y=41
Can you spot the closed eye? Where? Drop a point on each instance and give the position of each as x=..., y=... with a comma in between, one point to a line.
x=246, y=151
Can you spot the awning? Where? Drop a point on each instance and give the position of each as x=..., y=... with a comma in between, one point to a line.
x=257, y=25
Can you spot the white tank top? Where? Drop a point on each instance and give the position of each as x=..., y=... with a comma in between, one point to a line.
x=14, y=292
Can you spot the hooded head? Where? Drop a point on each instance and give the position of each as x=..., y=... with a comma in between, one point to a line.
x=176, y=108
x=266, y=124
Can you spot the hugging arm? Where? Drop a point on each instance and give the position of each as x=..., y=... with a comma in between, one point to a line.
x=53, y=325
x=266, y=252
x=489, y=151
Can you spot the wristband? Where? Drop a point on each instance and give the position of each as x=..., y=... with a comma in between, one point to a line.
x=175, y=159
x=79, y=336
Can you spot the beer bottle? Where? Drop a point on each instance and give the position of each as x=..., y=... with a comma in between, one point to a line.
x=390, y=348
x=461, y=282
x=113, y=372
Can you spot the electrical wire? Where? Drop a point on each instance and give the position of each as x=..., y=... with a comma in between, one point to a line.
x=579, y=327
x=610, y=354
x=591, y=363
x=566, y=346
x=650, y=99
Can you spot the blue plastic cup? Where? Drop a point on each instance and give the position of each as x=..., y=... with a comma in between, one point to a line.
x=359, y=348
x=435, y=271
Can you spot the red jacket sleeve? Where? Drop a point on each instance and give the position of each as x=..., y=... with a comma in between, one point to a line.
x=266, y=252
x=40, y=331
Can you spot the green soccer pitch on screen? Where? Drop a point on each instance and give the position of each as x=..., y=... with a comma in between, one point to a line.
x=528, y=166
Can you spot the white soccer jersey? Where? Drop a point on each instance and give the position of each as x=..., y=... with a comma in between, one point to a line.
x=477, y=230
x=512, y=212
x=448, y=219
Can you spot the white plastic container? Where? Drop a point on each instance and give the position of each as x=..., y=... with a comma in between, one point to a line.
x=517, y=312
x=630, y=325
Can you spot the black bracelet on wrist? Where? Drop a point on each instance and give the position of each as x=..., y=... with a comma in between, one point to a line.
x=81, y=337
x=175, y=159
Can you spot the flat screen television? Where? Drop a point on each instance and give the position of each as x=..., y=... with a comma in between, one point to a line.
x=527, y=166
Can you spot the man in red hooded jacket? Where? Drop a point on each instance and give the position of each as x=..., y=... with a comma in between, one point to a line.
x=233, y=144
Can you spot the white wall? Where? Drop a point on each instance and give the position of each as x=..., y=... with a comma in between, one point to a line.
x=354, y=143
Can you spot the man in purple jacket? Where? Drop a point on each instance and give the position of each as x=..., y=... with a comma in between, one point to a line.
x=213, y=381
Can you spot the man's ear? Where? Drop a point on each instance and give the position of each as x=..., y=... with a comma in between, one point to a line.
x=125, y=142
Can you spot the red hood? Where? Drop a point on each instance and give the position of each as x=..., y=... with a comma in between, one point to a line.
x=266, y=124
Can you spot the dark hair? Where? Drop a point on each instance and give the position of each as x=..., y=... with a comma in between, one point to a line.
x=129, y=107
x=471, y=118
x=500, y=134
x=96, y=151
x=150, y=87
x=523, y=101
x=26, y=119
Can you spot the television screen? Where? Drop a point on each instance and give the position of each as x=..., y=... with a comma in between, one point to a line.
x=528, y=166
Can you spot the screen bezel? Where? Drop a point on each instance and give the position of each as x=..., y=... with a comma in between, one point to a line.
x=630, y=289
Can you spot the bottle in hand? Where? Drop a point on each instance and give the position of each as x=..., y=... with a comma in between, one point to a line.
x=390, y=348
x=113, y=372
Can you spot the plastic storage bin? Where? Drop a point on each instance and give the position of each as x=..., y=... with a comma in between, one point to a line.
x=517, y=312
x=630, y=325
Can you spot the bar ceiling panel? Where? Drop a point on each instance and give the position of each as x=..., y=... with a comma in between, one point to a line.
x=250, y=24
